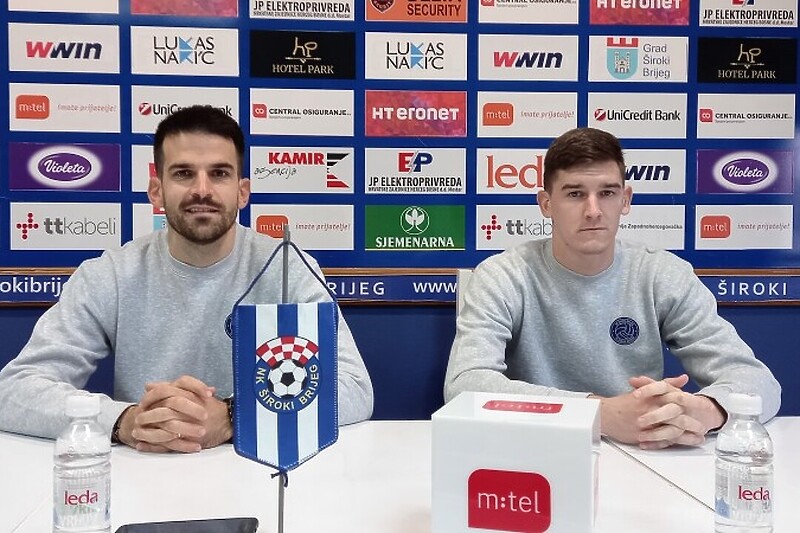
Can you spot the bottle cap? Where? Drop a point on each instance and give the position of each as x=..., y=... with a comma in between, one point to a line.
x=744, y=404
x=83, y=405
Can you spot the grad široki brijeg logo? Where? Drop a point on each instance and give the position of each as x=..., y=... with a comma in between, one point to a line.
x=287, y=373
x=624, y=330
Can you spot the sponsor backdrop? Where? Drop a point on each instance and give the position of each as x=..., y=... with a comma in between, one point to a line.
x=404, y=133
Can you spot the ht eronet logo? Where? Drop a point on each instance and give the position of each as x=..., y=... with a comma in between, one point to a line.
x=504, y=500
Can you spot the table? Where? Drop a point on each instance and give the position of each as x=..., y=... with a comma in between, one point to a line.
x=375, y=479
x=691, y=470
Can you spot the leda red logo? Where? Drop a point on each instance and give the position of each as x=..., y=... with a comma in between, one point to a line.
x=523, y=407
x=503, y=500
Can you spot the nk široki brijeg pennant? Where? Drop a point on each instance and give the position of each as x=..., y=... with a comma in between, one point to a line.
x=285, y=381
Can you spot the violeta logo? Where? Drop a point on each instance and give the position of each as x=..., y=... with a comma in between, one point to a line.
x=39, y=166
x=502, y=500
x=414, y=228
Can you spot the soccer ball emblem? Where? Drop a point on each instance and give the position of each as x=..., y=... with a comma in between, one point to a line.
x=287, y=379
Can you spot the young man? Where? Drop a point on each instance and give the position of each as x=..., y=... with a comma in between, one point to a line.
x=159, y=306
x=582, y=314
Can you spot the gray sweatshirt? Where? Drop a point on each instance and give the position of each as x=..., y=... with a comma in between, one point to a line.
x=531, y=326
x=160, y=319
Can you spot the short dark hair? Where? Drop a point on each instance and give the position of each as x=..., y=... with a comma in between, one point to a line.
x=581, y=146
x=198, y=119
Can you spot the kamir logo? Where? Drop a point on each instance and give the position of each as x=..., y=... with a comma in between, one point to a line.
x=503, y=500
x=498, y=114
x=715, y=227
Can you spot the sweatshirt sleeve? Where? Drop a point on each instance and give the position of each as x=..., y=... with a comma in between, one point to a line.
x=355, y=387
x=62, y=353
x=489, y=320
x=708, y=346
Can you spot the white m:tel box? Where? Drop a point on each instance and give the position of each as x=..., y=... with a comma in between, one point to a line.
x=510, y=462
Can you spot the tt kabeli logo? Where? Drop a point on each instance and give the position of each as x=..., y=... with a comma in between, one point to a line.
x=491, y=227
x=175, y=50
x=26, y=226
x=622, y=56
x=32, y=106
x=412, y=162
x=59, y=226
x=63, y=50
x=518, y=227
x=504, y=500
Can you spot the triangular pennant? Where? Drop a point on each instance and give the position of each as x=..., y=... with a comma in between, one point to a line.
x=285, y=381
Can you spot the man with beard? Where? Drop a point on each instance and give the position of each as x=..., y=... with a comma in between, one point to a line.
x=161, y=306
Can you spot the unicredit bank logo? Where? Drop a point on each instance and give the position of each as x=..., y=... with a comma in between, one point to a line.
x=151, y=109
x=502, y=500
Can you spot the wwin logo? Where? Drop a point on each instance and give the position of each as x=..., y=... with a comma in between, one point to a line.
x=63, y=50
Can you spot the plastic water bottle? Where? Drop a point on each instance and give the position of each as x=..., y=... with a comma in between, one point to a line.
x=744, y=471
x=82, y=471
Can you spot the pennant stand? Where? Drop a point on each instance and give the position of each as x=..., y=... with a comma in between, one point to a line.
x=285, y=366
